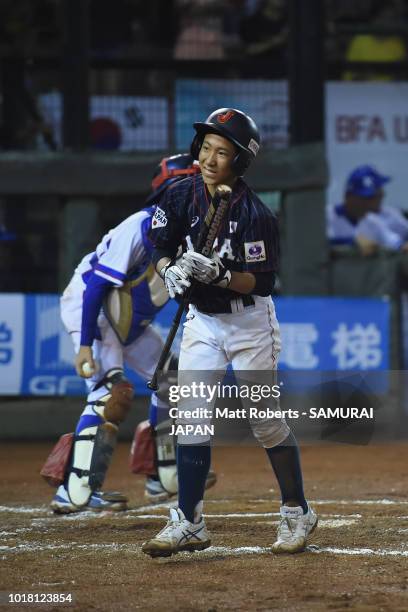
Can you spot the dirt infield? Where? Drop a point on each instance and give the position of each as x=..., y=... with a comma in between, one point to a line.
x=358, y=558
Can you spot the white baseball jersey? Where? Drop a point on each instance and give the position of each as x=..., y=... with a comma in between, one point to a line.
x=388, y=228
x=122, y=258
x=119, y=251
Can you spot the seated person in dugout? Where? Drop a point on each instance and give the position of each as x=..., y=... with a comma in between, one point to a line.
x=362, y=220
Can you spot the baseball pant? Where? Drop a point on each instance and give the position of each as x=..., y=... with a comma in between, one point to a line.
x=249, y=340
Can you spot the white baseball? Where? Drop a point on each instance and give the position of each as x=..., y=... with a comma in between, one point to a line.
x=87, y=369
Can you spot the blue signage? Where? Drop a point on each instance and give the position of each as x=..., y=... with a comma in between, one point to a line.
x=334, y=333
x=318, y=334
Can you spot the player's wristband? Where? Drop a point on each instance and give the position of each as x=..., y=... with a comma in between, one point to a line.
x=163, y=270
x=224, y=280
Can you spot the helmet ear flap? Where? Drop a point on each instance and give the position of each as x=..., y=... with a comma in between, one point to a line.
x=241, y=163
x=195, y=147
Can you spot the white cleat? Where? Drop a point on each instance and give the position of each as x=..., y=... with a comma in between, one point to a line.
x=178, y=535
x=294, y=529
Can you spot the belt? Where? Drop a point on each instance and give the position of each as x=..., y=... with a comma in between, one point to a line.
x=235, y=305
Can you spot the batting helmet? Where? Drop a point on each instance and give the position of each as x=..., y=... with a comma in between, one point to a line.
x=172, y=169
x=234, y=125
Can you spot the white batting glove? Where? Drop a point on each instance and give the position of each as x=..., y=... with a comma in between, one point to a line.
x=210, y=271
x=176, y=278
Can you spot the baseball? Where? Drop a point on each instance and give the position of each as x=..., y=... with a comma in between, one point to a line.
x=87, y=369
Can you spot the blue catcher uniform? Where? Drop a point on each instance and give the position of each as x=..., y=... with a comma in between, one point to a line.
x=142, y=297
x=109, y=305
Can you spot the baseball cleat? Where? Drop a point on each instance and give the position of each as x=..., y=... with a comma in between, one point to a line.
x=156, y=493
x=294, y=529
x=99, y=501
x=177, y=536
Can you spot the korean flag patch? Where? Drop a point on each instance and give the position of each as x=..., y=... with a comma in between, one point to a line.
x=159, y=218
x=255, y=251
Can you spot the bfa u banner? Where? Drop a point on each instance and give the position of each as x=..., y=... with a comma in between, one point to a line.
x=36, y=354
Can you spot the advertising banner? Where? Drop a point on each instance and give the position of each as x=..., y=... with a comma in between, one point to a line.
x=318, y=334
x=12, y=342
x=367, y=123
x=334, y=333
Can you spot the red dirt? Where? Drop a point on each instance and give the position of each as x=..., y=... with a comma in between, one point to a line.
x=97, y=557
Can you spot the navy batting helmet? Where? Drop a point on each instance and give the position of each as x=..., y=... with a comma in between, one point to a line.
x=172, y=169
x=234, y=125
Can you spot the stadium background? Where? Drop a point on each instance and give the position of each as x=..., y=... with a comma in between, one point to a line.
x=93, y=94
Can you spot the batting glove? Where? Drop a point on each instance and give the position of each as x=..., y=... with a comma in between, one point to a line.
x=210, y=271
x=176, y=278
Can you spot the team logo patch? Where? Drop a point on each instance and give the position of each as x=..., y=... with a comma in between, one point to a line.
x=255, y=251
x=194, y=221
x=225, y=117
x=233, y=226
x=253, y=146
x=159, y=218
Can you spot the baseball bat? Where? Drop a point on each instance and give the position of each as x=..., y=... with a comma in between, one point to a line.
x=206, y=238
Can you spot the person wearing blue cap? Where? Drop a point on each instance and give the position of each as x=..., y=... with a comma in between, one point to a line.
x=362, y=220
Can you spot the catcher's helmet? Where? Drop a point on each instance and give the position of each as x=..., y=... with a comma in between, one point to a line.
x=172, y=169
x=234, y=125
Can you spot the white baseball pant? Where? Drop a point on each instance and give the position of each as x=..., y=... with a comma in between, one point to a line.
x=249, y=339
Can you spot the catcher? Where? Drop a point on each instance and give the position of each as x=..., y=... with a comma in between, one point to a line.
x=107, y=309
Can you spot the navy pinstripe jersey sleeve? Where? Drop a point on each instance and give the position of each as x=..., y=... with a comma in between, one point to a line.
x=259, y=238
x=169, y=219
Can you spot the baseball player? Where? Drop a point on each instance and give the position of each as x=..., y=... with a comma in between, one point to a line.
x=119, y=277
x=362, y=220
x=231, y=320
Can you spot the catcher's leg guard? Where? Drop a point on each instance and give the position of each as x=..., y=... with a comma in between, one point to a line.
x=95, y=438
x=166, y=463
x=153, y=454
x=166, y=456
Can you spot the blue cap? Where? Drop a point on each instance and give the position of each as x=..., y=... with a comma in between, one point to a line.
x=365, y=181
